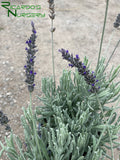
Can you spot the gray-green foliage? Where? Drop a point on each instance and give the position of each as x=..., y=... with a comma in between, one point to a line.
x=75, y=124
x=73, y=111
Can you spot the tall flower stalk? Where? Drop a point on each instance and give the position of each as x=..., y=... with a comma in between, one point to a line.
x=29, y=67
x=52, y=17
x=90, y=78
x=116, y=26
x=30, y=74
x=100, y=49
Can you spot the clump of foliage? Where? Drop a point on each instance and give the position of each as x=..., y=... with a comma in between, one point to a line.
x=74, y=124
x=77, y=124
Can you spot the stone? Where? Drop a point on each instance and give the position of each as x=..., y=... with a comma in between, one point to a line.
x=8, y=93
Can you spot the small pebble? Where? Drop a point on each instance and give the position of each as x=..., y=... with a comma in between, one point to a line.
x=4, y=103
x=7, y=79
x=12, y=68
x=7, y=62
x=9, y=93
x=7, y=133
x=17, y=36
x=22, y=74
x=14, y=100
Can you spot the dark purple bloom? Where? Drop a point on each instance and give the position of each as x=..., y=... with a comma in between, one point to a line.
x=94, y=76
x=35, y=31
x=31, y=72
x=92, y=71
x=93, y=84
x=71, y=65
x=30, y=41
x=35, y=73
x=26, y=41
x=77, y=56
x=84, y=72
x=25, y=66
x=97, y=80
x=67, y=51
x=84, y=66
x=33, y=85
x=26, y=48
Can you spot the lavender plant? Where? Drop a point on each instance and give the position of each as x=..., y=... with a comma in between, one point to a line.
x=74, y=122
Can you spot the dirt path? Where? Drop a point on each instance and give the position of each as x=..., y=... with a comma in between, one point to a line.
x=78, y=28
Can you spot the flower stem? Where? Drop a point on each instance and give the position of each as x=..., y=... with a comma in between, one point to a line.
x=100, y=49
x=112, y=54
x=53, y=52
x=106, y=127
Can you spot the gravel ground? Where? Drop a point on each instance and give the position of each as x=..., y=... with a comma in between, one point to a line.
x=78, y=28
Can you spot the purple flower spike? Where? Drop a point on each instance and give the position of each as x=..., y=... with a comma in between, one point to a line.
x=99, y=87
x=77, y=56
x=29, y=67
x=82, y=69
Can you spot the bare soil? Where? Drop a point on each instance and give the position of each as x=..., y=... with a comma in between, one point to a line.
x=78, y=25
